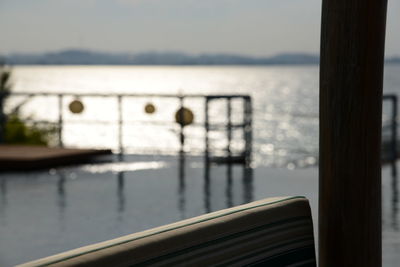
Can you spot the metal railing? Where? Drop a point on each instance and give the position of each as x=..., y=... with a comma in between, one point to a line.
x=208, y=125
x=390, y=144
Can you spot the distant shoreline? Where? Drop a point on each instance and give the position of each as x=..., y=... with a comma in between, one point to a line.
x=168, y=65
x=87, y=57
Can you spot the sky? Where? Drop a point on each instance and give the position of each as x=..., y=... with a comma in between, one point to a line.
x=249, y=27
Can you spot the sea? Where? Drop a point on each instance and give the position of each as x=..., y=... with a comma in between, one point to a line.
x=50, y=211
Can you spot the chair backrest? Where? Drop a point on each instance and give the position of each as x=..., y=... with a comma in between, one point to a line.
x=269, y=232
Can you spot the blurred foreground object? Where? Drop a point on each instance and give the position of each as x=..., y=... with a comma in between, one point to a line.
x=351, y=83
x=270, y=232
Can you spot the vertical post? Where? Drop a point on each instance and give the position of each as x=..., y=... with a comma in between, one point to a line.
x=229, y=200
x=182, y=124
x=229, y=126
x=207, y=191
x=351, y=78
x=120, y=123
x=60, y=120
x=248, y=134
x=206, y=125
x=248, y=129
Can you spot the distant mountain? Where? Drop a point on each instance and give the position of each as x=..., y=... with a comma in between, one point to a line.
x=87, y=57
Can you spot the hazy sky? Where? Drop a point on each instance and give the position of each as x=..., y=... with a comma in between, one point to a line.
x=253, y=27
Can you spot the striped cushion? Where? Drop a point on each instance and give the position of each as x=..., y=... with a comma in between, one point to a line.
x=270, y=232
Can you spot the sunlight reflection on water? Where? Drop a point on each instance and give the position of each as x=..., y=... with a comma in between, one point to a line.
x=123, y=167
x=285, y=104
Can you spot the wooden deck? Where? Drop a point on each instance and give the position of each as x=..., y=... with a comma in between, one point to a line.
x=21, y=158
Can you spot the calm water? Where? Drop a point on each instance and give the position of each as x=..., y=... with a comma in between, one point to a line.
x=50, y=211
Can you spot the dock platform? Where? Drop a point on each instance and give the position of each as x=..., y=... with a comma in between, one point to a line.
x=22, y=157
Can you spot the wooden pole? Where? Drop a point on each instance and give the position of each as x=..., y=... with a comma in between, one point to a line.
x=351, y=77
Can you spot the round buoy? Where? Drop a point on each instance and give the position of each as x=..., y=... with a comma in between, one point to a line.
x=184, y=116
x=149, y=108
x=76, y=106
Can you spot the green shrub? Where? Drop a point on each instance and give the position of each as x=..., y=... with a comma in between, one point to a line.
x=19, y=132
x=13, y=128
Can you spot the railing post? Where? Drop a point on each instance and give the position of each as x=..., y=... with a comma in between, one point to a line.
x=206, y=125
x=120, y=124
x=229, y=126
x=182, y=125
x=248, y=129
x=60, y=120
x=351, y=81
x=207, y=191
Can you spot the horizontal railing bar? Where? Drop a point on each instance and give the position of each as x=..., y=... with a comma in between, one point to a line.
x=218, y=126
x=22, y=93
x=109, y=122
x=127, y=95
x=212, y=97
